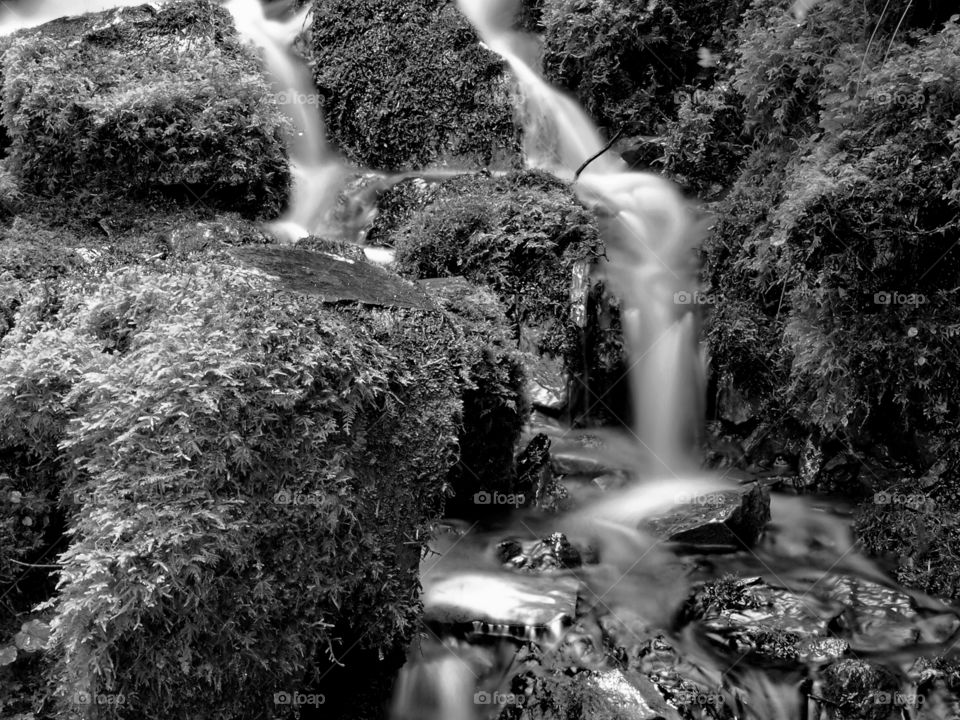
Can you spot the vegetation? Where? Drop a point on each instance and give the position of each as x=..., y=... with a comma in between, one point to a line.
x=405, y=84
x=224, y=451
x=522, y=234
x=164, y=103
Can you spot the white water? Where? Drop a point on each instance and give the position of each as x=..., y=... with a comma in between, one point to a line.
x=650, y=240
x=318, y=173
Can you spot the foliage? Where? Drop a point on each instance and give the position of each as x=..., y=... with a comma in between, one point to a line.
x=702, y=149
x=920, y=536
x=626, y=61
x=166, y=103
x=834, y=249
x=246, y=473
x=406, y=83
x=520, y=234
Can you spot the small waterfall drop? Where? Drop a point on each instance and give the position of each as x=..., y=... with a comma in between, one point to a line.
x=318, y=174
x=650, y=240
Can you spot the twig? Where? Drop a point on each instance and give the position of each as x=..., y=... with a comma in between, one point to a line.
x=597, y=154
x=31, y=565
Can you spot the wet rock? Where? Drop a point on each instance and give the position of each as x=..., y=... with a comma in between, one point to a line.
x=534, y=474
x=548, y=384
x=628, y=695
x=859, y=690
x=332, y=278
x=733, y=405
x=502, y=604
x=552, y=553
x=726, y=517
x=580, y=454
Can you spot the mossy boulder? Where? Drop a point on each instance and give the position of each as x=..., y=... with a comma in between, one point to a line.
x=406, y=84
x=832, y=265
x=523, y=234
x=247, y=470
x=140, y=102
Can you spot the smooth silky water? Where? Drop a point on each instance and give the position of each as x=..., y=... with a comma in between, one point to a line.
x=651, y=238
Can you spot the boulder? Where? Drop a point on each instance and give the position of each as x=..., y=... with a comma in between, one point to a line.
x=428, y=93
x=233, y=436
x=143, y=102
x=724, y=517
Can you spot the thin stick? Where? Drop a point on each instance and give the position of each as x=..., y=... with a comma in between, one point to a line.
x=31, y=565
x=600, y=152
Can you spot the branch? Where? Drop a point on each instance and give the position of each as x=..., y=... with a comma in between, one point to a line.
x=597, y=154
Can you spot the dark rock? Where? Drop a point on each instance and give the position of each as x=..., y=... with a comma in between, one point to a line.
x=334, y=278
x=535, y=475
x=551, y=553
x=859, y=690
x=733, y=405
x=725, y=517
x=548, y=384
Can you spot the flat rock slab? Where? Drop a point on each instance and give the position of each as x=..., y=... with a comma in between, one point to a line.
x=500, y=599
x=334, y=278
x=723, y=517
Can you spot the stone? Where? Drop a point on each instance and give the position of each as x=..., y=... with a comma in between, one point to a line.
x=723, y=517
x=505, y=604
x=140, y=101
x=733, y=405
x=333, y=278
x=859, y=690
x=629, y=696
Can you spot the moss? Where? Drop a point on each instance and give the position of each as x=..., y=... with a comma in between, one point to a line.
x=161, y=103
x=521, y=234
x=405, y=84
x=626, y=61
x=252, y=455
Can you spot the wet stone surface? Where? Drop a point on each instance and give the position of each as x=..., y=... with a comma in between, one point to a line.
x=726, y=517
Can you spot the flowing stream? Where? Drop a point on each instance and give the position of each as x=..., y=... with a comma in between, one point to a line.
x=650, y=238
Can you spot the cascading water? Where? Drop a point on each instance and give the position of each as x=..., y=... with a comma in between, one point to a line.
x=318, y=174
x=650, y=238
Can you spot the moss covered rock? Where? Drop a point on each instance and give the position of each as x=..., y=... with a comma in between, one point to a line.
x=833, y=262
x=523, y=234
x=247, y=471
x=144, y=102
x=406, y=84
